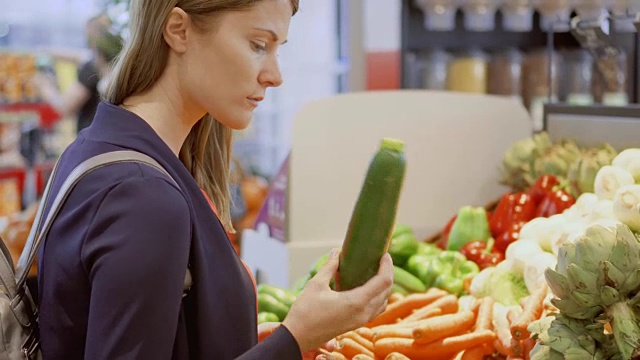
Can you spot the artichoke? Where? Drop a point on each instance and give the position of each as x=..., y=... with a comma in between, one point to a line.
x=582, y=173
x=596, y=279
x=518, y=160
x=555, y=161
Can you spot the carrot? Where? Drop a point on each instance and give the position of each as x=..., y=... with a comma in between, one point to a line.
x=442, y=326
x=441, y=349
x=362, y=357
x=477, y=352
x=512, y=315
x=396, y=356
x=485, y=314
x=531, y=311
x=527, y=346
x=513, y=357
x=404, y=307
x=474, y=353
x=426, y=312
x=368, y=344
x=336, y=356
x=350, y=348
x=365, y=332
x=503, y=335
x=516, y=346
x=394, y=297
x=265, y=333
x=448, y=304
x=392, y=332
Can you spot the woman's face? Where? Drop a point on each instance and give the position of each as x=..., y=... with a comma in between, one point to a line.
x=227, y=71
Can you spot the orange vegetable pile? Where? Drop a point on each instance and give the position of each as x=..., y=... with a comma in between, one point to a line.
x=436, y=325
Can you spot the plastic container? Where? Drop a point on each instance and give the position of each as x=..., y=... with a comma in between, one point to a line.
x=517, y=15
x=468, y=73
x=439, y=15
x=479, y=15
x=505, y=74
x=579, y=77
x=555, y=14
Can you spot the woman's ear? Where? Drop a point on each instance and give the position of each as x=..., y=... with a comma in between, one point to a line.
x=176, y=29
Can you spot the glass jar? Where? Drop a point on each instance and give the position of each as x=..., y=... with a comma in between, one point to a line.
x=610, y=80
x=434, y=65
x=540, y=82
x=468, y=73
x=505, y=74
x=579, y=77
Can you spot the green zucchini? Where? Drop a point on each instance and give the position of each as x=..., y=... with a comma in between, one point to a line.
x=405, y=279
x=264, y=317
x=395, y=288
x=373, y=217
x=267, y=303
x=284, y=296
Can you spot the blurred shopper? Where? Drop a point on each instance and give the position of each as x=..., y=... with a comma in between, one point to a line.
x=83, y=96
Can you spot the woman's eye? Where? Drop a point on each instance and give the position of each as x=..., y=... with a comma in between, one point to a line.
x=258, y=46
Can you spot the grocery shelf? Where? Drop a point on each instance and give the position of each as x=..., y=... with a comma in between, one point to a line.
x=48, y=115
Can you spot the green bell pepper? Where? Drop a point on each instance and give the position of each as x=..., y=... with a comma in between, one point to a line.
x=447, y=271
x=470, y=225
x=402, y=247
x=428, y=249
x=401, y=229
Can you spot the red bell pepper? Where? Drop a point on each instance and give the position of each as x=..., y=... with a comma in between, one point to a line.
x=444, y=238
x=543, y=186
x=506, y=238
x=482, y=253
x=555, y=203
x=512, y=208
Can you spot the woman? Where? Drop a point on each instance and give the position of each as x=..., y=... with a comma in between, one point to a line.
x=83, y=96
x=112, y=268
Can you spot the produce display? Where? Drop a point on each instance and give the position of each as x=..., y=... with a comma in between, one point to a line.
x=550, y=271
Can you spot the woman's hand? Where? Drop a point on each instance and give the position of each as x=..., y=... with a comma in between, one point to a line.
x=320, y=314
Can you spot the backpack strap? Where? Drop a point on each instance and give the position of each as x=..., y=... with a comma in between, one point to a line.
x=39, y=233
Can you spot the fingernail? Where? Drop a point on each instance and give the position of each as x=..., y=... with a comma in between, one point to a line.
x=334, y=253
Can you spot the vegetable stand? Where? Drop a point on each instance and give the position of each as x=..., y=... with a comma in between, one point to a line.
x=548, y=271
x=452, y=149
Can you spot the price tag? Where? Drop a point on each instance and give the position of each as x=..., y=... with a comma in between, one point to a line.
x=274, y=210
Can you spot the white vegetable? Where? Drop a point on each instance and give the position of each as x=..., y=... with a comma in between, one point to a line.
x=609, y=179
x=520, y=252
x=626, y=206
x=629, y=160
x=535, y=267
x=585, y=203
x=570, y=232
x=542, y=230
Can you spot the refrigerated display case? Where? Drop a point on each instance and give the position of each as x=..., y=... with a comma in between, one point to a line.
x=618, y=126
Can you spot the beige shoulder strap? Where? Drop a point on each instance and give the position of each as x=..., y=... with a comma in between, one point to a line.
x=40, y=230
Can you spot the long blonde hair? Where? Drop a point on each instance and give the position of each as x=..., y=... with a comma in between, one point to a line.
x=206, y=152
